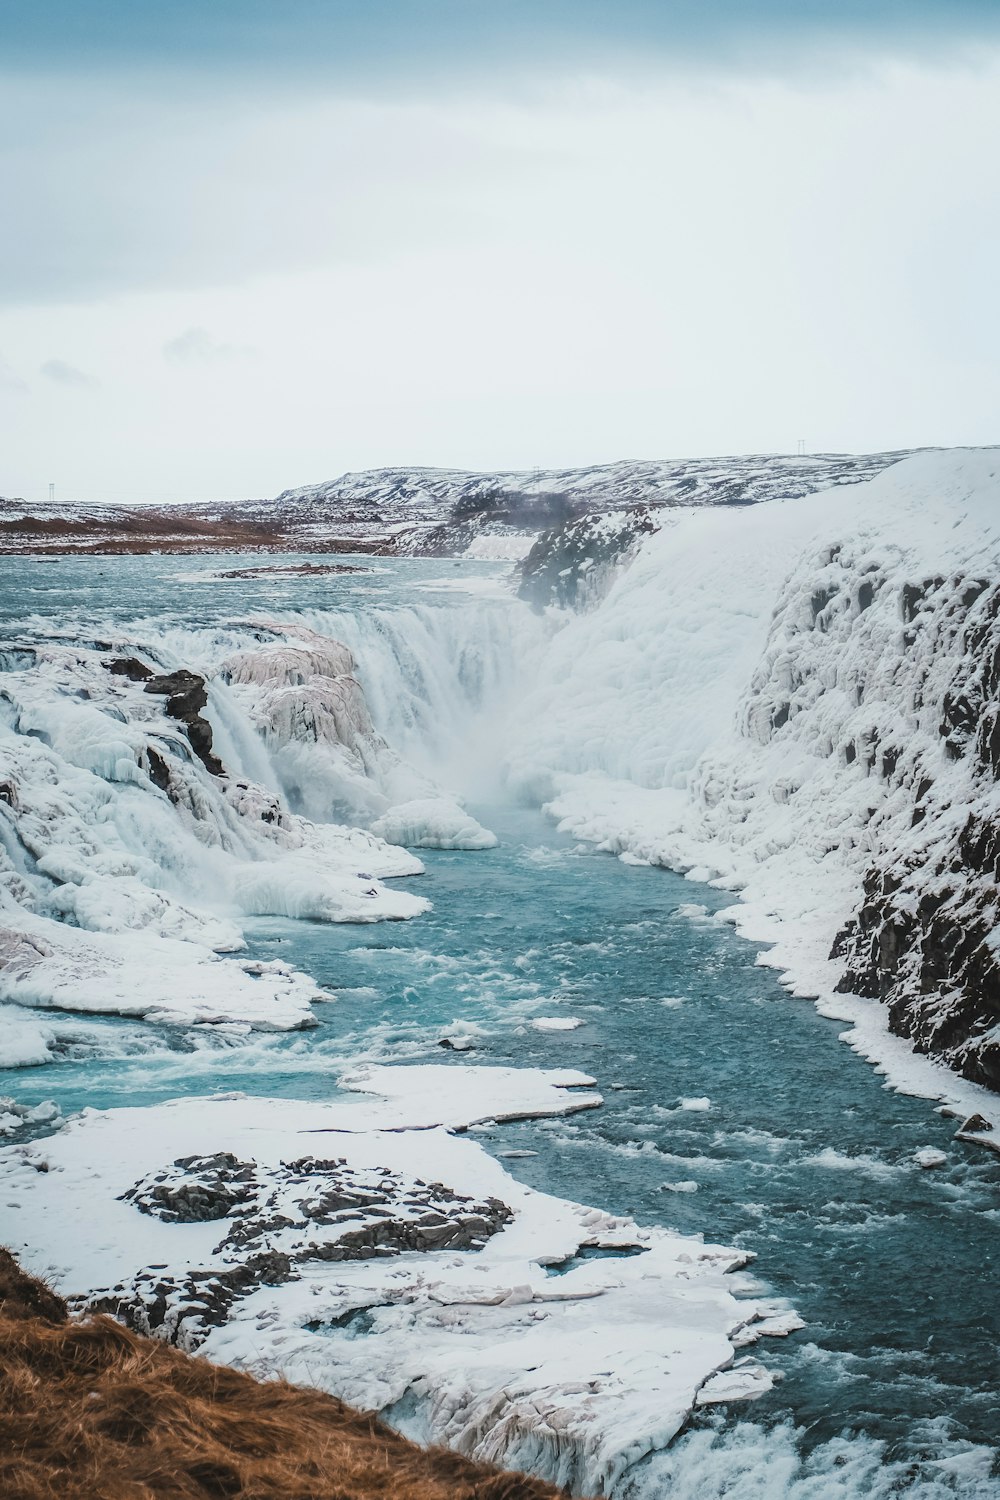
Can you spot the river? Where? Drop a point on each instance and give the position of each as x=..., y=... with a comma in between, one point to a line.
x=731, y=1108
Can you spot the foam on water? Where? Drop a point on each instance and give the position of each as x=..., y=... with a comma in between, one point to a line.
x=754, y=1462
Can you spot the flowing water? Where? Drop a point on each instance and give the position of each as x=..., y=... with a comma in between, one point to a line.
x=731, y=1109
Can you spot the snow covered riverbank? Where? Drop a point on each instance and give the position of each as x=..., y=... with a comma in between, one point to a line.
x=181, y=783
x=363, y=1247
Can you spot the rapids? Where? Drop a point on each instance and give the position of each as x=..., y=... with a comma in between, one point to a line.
x=731, y=1109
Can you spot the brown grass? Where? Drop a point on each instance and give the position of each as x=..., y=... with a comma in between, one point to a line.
x=91, y=1411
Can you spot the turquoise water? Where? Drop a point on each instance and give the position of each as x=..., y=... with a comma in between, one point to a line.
x=731, y=1109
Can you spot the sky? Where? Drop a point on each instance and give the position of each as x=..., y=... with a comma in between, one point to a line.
x=257, y=243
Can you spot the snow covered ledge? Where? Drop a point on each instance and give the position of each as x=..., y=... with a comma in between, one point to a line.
x=363, y=1247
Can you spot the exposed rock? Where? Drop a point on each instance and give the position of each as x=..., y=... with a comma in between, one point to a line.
x=210, y=1187
x=130, y=667
x=574, y=564
x=159, y=771
x=923, y=939
x=280, y=1219
x=293, y=570
x=186, y=696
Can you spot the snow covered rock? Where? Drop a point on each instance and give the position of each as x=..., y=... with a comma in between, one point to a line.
x=433, y=823
x=574, y=565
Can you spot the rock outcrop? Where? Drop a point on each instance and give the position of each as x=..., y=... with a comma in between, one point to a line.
x=573, y=565
x=274, y=1221
x=926, y=938
x=186, y=695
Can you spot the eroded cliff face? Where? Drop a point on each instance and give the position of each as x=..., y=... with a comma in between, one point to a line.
x=872, y=736
x=926, y=936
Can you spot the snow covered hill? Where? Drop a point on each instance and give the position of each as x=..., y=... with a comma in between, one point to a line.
x=802, y=702
x=445, y=511
x=433, y=512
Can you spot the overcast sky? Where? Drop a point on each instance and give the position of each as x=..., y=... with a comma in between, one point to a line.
x=253, y=243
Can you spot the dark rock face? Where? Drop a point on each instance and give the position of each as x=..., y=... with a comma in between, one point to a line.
x=573, y=564
x=159, y=771
x=272, y=1219
x=130, y=667
x=186, y=696
x=923, y=939
x=492, y=508
x=208, y=1187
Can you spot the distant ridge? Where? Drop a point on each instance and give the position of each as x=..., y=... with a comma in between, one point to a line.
x=426, y=511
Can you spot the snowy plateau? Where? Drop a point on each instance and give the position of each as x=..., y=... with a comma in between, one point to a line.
x=780, y=678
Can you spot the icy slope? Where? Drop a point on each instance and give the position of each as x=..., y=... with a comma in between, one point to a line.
x=801, y=701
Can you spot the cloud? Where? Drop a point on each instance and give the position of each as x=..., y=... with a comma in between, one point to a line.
x=191, y=145
x=366, y=40
x=62, y=373
x=208, y=192
x=197, y=346
x=10, y=380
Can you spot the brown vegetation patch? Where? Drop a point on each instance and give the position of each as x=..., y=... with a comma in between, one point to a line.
x=92, y=1411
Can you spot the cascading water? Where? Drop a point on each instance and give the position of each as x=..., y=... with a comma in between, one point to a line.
x=537, y=953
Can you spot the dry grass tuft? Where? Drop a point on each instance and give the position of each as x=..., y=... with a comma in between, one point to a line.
x=91, y=1411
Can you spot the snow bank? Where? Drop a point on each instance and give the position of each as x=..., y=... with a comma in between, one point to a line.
x=798, y=701
x=44, y=964
x=433, y=823
x=542, y=1335
x=24, y=1041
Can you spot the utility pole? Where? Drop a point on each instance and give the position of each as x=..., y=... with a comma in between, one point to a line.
x=800, y=448
x=52, y=493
